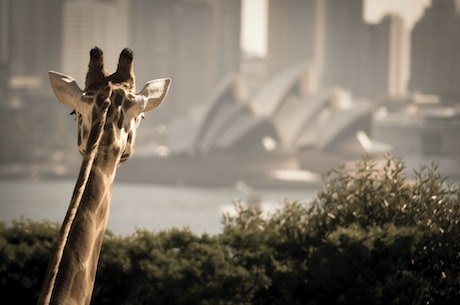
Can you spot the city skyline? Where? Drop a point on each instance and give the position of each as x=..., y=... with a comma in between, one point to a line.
x=326, y=71
x=327, y=35
x=254, y=19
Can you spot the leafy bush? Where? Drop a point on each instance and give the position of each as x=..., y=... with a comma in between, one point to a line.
x=174, y=267
x=24, y=252
x=371, y=236
x=406, y=231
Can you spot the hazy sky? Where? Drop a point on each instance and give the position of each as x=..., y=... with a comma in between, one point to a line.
x=253, y=36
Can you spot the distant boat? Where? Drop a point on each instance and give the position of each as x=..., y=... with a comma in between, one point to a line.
x=372, y=147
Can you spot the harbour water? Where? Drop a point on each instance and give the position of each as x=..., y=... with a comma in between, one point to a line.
x=152, y=207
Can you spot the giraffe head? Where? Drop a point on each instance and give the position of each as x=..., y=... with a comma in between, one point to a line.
x=108, y=111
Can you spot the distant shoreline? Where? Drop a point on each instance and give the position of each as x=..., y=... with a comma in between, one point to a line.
x=220, y=170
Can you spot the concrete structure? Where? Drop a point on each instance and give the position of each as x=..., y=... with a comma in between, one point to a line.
x=344, y=45
x=422, y=133
x=230, y=124
x=386, y=58
x=398, y=49
x=90, y=23
x=196, y=42
x=30, y=42
x=341, y=50
x=5, y=44
x=291, y=33
x=280, y=117
x=435, y=51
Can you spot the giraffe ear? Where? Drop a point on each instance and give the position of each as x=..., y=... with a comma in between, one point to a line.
x=155, y=92
x=65, y=88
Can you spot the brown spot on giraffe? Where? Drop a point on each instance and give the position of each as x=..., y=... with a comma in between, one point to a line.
x=108, y=114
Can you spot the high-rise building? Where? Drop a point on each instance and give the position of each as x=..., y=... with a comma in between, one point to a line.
x=195, y=42
x=385, y=58
x=344, y=45
x=291, y=33
x=398, y=66
x=342, y=49
x=435, y=51
x=5, y=43
x=89, y=23
x=31, y=41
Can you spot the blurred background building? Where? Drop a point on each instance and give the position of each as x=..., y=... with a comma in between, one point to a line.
x=435, y=52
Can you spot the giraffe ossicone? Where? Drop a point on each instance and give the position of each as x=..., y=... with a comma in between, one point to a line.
x=108, y=112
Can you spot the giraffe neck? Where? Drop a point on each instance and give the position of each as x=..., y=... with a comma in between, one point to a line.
x=72, y=268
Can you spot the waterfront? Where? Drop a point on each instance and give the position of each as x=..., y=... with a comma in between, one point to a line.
x=152, y=207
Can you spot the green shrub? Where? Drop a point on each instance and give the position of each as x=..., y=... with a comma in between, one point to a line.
x=24, y=252
x=371, y=236
x=173, y=267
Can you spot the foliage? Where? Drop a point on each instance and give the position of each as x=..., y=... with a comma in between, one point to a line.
x=24, y=254
x=371, y=236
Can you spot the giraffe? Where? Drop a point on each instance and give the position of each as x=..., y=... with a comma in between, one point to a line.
x=108, y=113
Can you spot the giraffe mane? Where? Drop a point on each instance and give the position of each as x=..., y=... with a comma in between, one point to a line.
x=87, y=164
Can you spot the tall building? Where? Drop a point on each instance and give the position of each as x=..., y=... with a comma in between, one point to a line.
x=291, y=33
x=385, y=60
x=398, y=67
x=89, y=23
x=31, y=41
x=5, y=43
x=342, y=49
x=435, y=51
x=344, y=45
x=195, y=42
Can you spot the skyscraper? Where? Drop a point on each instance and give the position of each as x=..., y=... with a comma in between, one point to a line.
x=195, y=42
x=344, y=46
x=385, y=58
x=31, y=41
x=398, y=66
x=291, y=33
x=5, y=42
x=342, y=49
x=435, y=51
x=89, y=23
